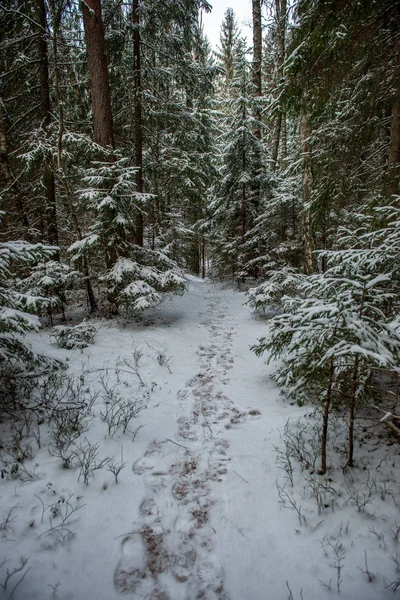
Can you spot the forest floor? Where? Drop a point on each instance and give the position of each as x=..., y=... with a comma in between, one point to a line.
x=202, y=508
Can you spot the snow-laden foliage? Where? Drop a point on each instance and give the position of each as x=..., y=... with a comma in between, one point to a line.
x=336, y=317
x=16, y=306
x=273, y=242
x=135, y=277
x=235, y=198
x=345, y=312
x=78, y=336
x=340, y=327
x=139, y=284
x=280, y=283
x=51, y=280
x=109, y=195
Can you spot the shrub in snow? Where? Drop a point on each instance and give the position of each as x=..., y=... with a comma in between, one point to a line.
x=139, y=284
x=339, y=328
x=51, y=279
x=269, y=294
x=78, y=336
x=16, y=306
x=85, y=458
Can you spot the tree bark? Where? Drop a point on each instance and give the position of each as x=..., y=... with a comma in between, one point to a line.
x=275, y=141
x=280, y=12
x=394, y=146
x=91, y=299
x=138, y=114
x=4, y=162
x=307, y=184
x=353, y=396
x=283, y=141
x=203, y=258
x=257, y=62
x=324, y=436
x=100, y=91
x=98, y=73
x=8, y=176
x=45, y=113
x=244, y=191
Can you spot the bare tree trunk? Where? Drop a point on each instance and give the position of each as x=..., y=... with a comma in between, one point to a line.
x=394, y=147
x=203, y=258
x=283, y=141
x=353, y=396
x=4, y=162
x=98, y=73
x=244, y=192
x=308, y=180
x=100, y=90
x=275, y=141
x=45, y=112
x=138, y=114
x=280, y=12
x=85, y=266
x=8, y=176
x=244, y=216
x=324, y=436
x=68, y=197
x=257, y=62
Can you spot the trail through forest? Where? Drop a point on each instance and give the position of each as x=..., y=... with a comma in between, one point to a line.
x=196, y=511
x=184, y=505
x=174, y=531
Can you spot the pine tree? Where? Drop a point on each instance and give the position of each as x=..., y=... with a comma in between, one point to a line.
x=229, y=40
x=16, y=307
x=337, y=329
x=236, y=196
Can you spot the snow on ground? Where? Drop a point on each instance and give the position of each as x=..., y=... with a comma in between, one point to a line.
x=196, y=512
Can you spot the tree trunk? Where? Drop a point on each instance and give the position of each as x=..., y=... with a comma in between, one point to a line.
x=85, y=266
x=138, y=114
x=100, y=90
x=353, y=397
x=307, y=184
x=394, y=147
x=280, y=12
x=4, y=162
x=8, y=176
x=257, y=62
x=244, y=192
x=244, y=217
x=275, y=141
x=203, y=258
x=98, y=73
x=283, y=141
x=324, y=436
x=68, y=197
x=45, y=113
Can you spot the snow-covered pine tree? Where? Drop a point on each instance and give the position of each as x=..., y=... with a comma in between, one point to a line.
x=134, y=275
x=241, y=173
x=228, y=41
x=16, y=307
x=51, y=280
x=348, y=109
x=340, y=328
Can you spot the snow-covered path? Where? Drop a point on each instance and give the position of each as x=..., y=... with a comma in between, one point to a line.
x=209, y=522
x=195, y=513
x=174, y=531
